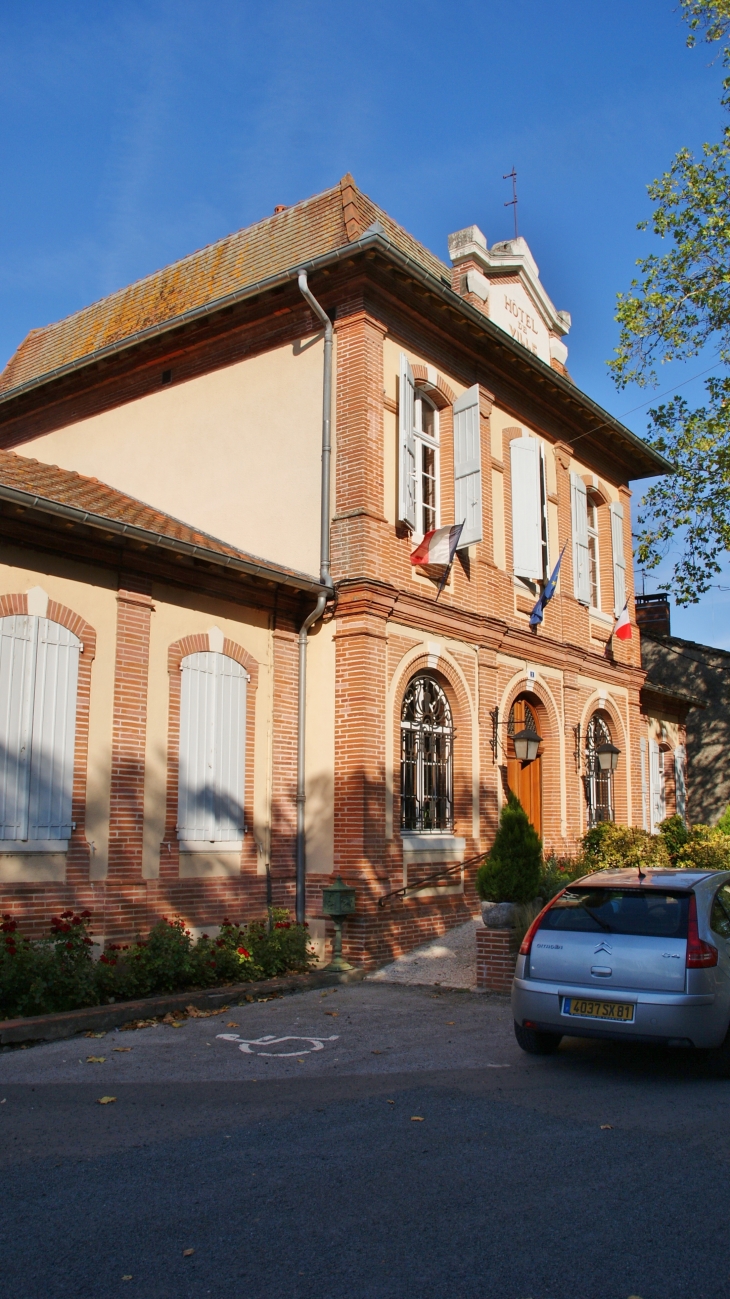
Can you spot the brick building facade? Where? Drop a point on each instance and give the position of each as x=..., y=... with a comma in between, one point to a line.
x=198, y=392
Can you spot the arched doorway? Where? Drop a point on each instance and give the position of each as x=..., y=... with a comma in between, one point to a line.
x=525, y=778
x=598, y=784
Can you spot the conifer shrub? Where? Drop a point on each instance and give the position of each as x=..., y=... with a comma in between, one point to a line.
x=512, y=869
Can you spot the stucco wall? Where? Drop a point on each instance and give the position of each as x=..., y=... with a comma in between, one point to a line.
x=235, y=452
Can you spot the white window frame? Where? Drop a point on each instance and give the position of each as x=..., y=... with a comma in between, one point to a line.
x=425, y=442
x=593, y=533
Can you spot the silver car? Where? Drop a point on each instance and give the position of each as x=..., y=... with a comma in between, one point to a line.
x=629, y=956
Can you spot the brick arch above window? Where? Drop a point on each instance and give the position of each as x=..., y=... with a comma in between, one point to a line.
x=78, y=856
x=440, y=392
x=198, y=643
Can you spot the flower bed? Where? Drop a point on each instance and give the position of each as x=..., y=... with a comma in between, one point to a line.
x=59, y=973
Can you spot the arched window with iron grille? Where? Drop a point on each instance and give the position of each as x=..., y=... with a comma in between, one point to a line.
x=598, y=783
x=427, y=734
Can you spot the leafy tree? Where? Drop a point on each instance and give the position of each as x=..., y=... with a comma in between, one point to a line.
x=511, y=872
x=679, y=305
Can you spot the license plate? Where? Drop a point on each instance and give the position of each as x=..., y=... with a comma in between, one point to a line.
x=616, y=1010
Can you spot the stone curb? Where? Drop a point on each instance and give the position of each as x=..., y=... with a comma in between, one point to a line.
x=49, y=1028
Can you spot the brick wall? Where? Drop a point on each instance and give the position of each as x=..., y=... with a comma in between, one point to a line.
x=496, y=953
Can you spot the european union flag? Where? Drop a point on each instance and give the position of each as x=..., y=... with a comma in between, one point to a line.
x=548, y=593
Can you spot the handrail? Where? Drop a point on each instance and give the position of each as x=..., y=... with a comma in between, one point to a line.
x=439, y=874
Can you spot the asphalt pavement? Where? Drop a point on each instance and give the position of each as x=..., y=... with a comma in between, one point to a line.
x=373, y=1140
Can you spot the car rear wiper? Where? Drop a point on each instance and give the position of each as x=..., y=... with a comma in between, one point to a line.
x=597, y=919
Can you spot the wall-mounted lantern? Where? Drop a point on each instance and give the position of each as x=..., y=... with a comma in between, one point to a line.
x=526, y=745
x=608, y=756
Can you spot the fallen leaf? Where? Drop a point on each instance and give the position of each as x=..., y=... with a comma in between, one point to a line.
x=177, y=1024
x=121, y=1048
x=95, y=1059
x=2, y=1102
x=232, y=1024
x=188, y=1252
x=607, y=1127
x=450, y=1023
x=333, y=1013
x=106, y=1100
x=376, y=1052
x=127, y=1278
x=391, y=1102
x=416, y=1118
x=300, y=1062
x=94, y=1034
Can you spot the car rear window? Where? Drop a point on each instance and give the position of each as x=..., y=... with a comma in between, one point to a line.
x=620, y=911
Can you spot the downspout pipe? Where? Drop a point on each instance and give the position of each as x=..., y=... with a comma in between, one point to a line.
x=325, y=578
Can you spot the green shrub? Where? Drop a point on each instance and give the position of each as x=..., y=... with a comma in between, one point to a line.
x=40, y=976
x=608, y=846
x=723, y=824
x=511, y=872
x=675, y=834
x=705, y=850
x=557, y=872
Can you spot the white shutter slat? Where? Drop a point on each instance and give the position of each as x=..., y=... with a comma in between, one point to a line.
x=526, y=507
x=406, y=445
x=656, y=785
x=17, y=666
x=212, y=749
x=680, y=781
x=619, y=556
x=54, y=732
x=468, y=467
x=581, y=559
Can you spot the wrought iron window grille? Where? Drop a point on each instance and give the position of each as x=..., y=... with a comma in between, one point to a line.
x=598, y=784
x=427, y=735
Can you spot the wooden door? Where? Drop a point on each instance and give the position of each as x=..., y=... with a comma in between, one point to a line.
x=525, y=778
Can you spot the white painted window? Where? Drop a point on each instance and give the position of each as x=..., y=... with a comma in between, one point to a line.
x=39, y=664
x=468, y=467
x=657, y=795
x=426, y=438
x=581, y=554
x=619, y=556
x=529, y=508
x=594, y=566
x=212, y=749
x=406, y=446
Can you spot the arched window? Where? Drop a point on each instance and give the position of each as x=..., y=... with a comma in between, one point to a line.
x=598, y=783
x=427, y=734
x=212, y=749
x=39, y=667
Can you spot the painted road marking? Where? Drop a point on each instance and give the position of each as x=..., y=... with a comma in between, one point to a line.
x=246, y=1044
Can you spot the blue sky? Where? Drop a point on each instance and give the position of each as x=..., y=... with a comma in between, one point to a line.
x=136, y=132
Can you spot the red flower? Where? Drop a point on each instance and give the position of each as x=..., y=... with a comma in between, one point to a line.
x=282, y=924
x=69, y=947
x=86, y=915
x=244, y=953
x=66, y=915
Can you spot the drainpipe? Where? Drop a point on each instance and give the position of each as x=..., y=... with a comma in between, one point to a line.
x=325, y=578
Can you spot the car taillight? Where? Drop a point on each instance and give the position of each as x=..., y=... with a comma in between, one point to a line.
x=699, y=953
x=527, y=940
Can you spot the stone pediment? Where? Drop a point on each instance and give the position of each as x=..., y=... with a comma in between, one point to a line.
x=505, y=280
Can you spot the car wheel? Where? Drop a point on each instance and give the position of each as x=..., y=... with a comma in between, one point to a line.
x=537, y=1043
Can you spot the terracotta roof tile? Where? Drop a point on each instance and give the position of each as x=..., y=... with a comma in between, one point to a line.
x=310, y=229
x=65, y=487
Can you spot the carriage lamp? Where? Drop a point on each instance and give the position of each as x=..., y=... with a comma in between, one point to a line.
x=338, y=902
x=607, y=755
x=526, y=745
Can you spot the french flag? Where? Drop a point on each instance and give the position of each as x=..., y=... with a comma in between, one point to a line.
x=438, y=546
x=622, y=630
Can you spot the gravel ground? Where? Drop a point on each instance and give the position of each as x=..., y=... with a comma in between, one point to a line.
x=449, y=961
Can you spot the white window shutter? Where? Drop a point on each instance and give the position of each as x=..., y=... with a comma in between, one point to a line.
x=468, y=467
x=581, y=562
x=54, y=732
x=525, y=465
x=680, y=781
x=18, y=636
x=619, y=556
x=644, y=800
x=406, y=445
x=212, y=749
x=656, y=785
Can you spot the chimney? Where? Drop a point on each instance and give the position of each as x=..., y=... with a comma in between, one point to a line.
x=652, y=614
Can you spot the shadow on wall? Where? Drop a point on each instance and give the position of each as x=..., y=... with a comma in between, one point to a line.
x=704, y=672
